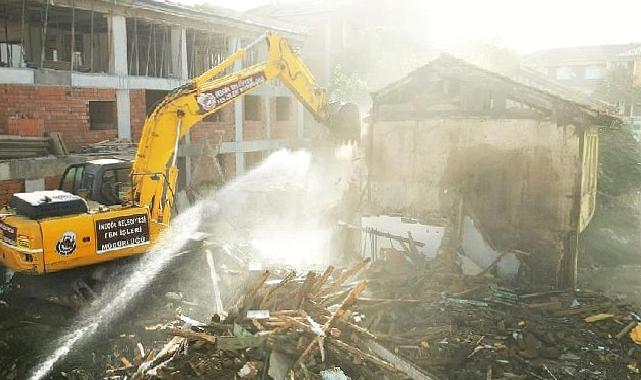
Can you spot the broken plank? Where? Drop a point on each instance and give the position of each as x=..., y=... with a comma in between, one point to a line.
x=186, y=333
x=346, y=275
x=365, y=356
x=398, y=363
x=239, y=342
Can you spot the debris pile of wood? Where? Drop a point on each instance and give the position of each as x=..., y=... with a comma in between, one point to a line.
x=474, y=327
x=23, y=147
x=292, y=327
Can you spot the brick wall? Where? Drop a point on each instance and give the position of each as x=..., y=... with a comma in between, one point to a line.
x=66, y=110
x=7, y=188
x=63, y=109
x=52, y=182
x=284, y=129
x=138, y=110
x=212, y=131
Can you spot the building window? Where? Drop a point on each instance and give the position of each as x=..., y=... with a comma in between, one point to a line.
x=11, y=55
x=593, y=72
x=283, y=108
x=564, y=73
x=216, y=117
x=153, y=98
x=102, y=115
x=252, y=108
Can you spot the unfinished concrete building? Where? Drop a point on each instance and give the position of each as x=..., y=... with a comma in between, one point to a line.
x=511, y=163
x=92, y=70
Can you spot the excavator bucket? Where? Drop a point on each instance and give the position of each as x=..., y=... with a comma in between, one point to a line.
x=344, y=121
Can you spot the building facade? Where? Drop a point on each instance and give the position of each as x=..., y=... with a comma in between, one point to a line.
x=587, y=68
x=92, y=70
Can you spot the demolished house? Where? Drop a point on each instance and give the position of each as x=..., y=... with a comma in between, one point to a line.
x=513, y=168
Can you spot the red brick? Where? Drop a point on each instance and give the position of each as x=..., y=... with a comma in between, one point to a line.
x=8, y=188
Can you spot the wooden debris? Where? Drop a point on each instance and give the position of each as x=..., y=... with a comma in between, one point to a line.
x=186, y=333
x=295, y=326
x=346, y=275
x=58, y=146
x=624, y=331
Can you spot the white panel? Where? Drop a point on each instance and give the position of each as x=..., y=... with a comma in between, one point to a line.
x=37, y=184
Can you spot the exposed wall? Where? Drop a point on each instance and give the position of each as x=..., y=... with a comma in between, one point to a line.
x=64, y=109
x=518, y=178
x=138, y=111
x=7, y=188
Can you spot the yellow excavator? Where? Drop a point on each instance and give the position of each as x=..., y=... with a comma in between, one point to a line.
x=109, y=209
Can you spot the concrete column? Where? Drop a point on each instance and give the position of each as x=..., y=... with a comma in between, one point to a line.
x=327, y=52
x=118, y=66
x=234, y=44
x=268, y=116
x=179, y=53
x=238, y=135
x=34, y=185
x=180, y=70
x=300, y=120
x=35, y=37
x=123, y=113
x=118, y=59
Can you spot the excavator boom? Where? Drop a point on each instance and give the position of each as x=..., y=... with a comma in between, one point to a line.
x=187, y=105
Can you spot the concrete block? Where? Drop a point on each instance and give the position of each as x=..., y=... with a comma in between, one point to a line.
x=36, y=168
x=16, y=76
x=123, y=111
x=37, y=184
x=5, y=171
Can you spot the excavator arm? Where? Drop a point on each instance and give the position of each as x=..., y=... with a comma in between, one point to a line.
x=154, y=170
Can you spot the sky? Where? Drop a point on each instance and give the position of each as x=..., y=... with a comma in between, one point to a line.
x=525, y=26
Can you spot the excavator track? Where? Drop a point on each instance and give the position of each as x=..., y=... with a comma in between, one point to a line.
x=71, y=288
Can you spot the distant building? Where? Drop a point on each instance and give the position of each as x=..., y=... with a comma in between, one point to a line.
x=342, y=28
x=585, y=68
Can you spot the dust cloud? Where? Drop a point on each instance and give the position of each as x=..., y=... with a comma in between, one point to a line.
x=286, y=208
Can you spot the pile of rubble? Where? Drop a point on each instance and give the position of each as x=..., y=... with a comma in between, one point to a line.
x=474, y=327
x=402, y=316
x=299, y=325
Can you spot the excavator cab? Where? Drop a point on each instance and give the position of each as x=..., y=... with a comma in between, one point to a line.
x=102, y=181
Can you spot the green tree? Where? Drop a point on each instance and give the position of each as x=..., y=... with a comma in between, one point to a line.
x=618, y=88
x=348, y=86
x=614, y=235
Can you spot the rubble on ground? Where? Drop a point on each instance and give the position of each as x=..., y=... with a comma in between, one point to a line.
x=474, y=327
x=402, y=316
x=299, y=326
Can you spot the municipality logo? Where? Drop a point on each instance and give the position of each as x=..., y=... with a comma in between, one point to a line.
x=67, y=244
